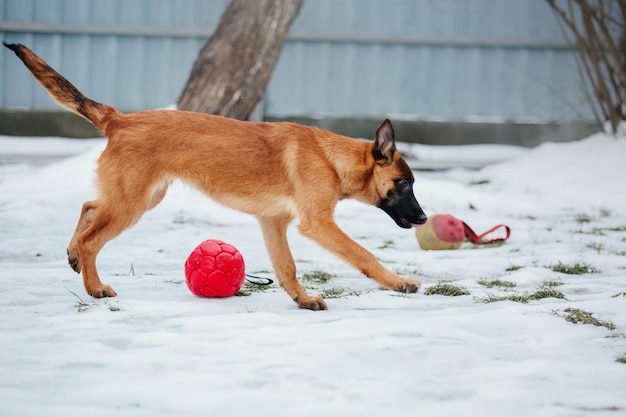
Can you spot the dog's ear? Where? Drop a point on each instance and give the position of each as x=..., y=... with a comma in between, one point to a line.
x=385, y=143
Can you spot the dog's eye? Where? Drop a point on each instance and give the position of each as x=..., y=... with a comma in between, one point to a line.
x=403, y=183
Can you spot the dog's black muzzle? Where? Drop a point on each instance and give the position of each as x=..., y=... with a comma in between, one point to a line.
x=403, y=208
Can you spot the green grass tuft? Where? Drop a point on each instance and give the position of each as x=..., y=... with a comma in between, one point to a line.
x=388, y=243
x=581, y=218
x=250, y=288
x=495, y=298
x=550, y=284
x=317, y=276
x=548, y=292
x=496, y=282
x=598, y=247
x=80, y=304
x=577, y=268
x=513, y=268
x=445, y=288
x=601, y=231
x=338, y=292
x=575, y=315
x=523, y=298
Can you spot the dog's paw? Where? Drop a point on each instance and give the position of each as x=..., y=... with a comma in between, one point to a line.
x=408, y=286
x=102, y=291
x=311, y=303
x=74, y=262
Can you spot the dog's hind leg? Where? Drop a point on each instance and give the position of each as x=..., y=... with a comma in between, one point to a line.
x=104, y=219
x=84, y=221
x=86, y=218
x=107, y=221
x=275, y=236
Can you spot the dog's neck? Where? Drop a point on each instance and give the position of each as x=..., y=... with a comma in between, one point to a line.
x=341, y=152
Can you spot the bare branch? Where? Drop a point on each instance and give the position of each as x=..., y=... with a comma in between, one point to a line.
x=600, y=36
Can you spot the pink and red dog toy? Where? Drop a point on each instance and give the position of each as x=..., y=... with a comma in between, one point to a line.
x=444, y=231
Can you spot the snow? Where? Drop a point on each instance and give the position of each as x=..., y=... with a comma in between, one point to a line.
x=157, y=350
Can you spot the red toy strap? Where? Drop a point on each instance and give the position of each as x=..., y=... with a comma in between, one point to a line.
x=478, y=239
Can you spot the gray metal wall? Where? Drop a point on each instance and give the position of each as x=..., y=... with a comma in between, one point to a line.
x=413, y=59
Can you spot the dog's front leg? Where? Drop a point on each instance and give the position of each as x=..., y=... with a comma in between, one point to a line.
x=325, y=232
x=275, y=236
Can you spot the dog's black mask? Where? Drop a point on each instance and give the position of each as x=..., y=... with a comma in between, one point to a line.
x=402, y=206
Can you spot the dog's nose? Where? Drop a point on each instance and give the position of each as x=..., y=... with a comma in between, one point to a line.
x=421, y=218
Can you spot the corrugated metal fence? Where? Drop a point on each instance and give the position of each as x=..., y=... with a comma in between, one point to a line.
x=414, y=59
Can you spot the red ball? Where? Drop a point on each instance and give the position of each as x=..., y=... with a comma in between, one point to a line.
x=215, y=269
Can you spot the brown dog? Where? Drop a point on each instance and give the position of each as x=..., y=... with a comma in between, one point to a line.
x=273, y=171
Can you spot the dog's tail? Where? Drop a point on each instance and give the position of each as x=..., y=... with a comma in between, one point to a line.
x=63, y=92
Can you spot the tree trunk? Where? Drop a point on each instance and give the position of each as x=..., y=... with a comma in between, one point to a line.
x=234, y=67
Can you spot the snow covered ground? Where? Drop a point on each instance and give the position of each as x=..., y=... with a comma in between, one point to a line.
x=157, y=350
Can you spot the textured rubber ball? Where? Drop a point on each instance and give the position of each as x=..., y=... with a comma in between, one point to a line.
x=215, y=269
